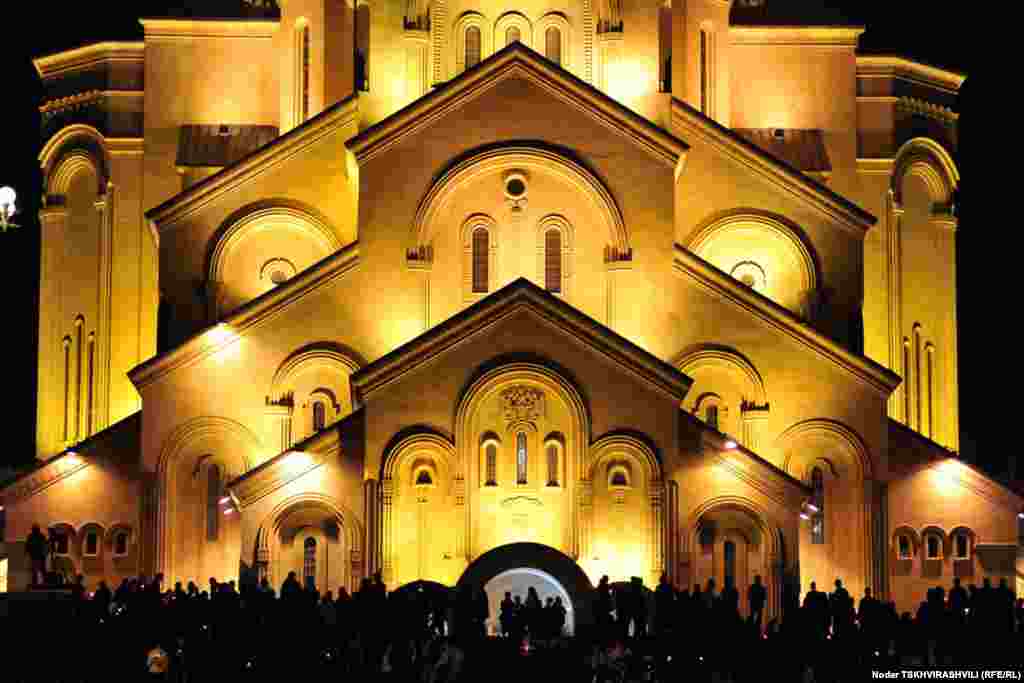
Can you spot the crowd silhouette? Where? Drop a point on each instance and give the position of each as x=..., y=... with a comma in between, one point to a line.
x=425, y=633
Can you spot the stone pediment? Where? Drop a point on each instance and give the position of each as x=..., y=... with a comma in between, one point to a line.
x=518, y=298
x=517, y=63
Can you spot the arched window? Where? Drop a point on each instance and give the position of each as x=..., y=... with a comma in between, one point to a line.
x=362, y=57
x=91, y=381
x=933, y=545
x=729, y=560
x=904, y=547
x=705, y=76
x=472, y=46
x=213, y=495
x=619, y=478
x=423, y=478
x=121, y=543
x=319, y=415
x=67, y=388
x=553, y=45
x=92, y=544
x=302, y=67
x=818, y=499
x=78, y=377
x=711, y=416
x=62, y=545
x=553, y=259
x=512, y=35
x=491, y=457
x=521, y=458
x=552, y=456
x=961, y=547
x=309, y=561
x=481, y=255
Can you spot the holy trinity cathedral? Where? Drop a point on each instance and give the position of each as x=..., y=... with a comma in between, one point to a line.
x=472, y=290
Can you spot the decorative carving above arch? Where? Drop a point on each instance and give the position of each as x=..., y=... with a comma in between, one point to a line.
x=540, y=161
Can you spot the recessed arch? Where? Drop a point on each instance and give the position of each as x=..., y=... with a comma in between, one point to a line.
x=466, y=21
x=715, y=356
x=636, y=449
x=402, y=456
x=762, y=242
x=910, y=533
x=928, y=160
x=515, y=20
x=519, y=157
x=331, y=355
x=557, y=21
x=770, y=530
x=70, y=148
x=848, y=441
x=564, y=245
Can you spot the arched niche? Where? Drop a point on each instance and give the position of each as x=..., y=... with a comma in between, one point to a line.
x=517, y=21
x=764, y=251
x=184, y=549
x=420, y=516
x=926, y=159
x=847, y=467
x=731, y=378
x=523, y=403
x=72, y=147
x=337, y=531
x=317, y=372
x=262, y=245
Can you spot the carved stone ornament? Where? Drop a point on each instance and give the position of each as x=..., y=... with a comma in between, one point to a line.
x=521, y=403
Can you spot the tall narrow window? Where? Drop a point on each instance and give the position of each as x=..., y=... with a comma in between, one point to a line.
x=553, y=45
x=91, y=544
x=906, y=381
x=512, y=35
x=729, y=560
x=553, y=261
x=362, y=56
x=472, y=46
x=704, y=71
x=711, y=416
x=491, y=457
x=961, y=547
x=818, y=499
x=213, y=495
x=934, y=548
x=78, y=379
x=62, y=544
x=930, y=352
x=481, y=254
x=92, y=381
x=904, y=547
x=319, y=415
x=917, y=376
x=521, y=458
x=309, y=562
x=304, y=61
x=67, y=389
x=552, y=464
x=121, y=543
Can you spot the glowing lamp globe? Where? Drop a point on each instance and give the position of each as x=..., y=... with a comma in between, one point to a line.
x=7, y=197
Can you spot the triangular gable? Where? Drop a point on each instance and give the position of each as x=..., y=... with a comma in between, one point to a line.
x=517, y=61
x=520, y=295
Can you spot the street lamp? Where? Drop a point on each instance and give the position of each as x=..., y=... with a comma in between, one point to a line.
x=7, y=207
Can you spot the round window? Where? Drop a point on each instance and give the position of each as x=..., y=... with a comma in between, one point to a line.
x=515, y=187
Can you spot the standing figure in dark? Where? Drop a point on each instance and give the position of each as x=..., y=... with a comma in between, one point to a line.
x=507, y=614
x=757, y=596
x=664, y=605
x=603, y=606
x=37, y=548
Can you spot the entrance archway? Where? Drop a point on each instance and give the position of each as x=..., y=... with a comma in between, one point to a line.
x=533, y=564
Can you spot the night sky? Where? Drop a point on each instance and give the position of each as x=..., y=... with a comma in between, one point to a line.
x=937, y=38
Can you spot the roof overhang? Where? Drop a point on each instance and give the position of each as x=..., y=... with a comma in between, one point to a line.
x=518, y=61
x=688, y=264
x=910, y=70
x=69, y=61
x=521, y=295
x=817, y=36
x=191, y=29
x=844, y=212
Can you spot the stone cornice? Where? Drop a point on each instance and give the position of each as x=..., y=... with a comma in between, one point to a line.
x=704, y=274
x=932, y=111
x=58, y=105
x=248, y=317
x=260, y=161
x=910, y=70
x=521, y=295
x=847, y=214
x=190, y=29
x=124, y=146
x=875, y=166
x=279, y=471
x=829, y=36
x=63, y=63
x=42, y=477
x=517, y=61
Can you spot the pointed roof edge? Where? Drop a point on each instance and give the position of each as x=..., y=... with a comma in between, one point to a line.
x=56, y=63
x=850, y=216
x=519, y=294
x=685, y=262
x=911, y=68
x=522, y=61
x=254, y=163
x=220, y=334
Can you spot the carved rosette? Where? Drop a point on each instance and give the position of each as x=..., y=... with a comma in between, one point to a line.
x=522, y=404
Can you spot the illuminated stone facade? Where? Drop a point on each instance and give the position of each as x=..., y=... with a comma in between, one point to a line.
x=397, y=285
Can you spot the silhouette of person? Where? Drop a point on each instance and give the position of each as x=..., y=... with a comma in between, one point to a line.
x=603, y=605
x=757, y=596
x=664, y=605
x=507, y=614
x=817, y=610
x=842, y=609
x=559, y=618
x=37, y=548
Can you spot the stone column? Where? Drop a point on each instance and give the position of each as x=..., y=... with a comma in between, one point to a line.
x=387, y=552
x=462, y=550
x=876, y=541
x=584, y=496
x=372, y=540
x=657, y=532
x=417, y=64
x=279, y=417
x=753, y=418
